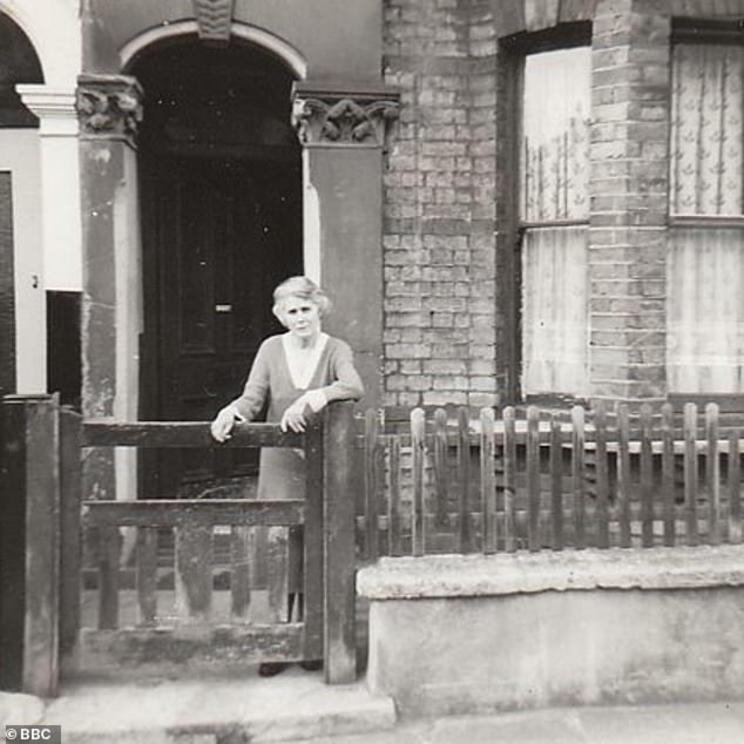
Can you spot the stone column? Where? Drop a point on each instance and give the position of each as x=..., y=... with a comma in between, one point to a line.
x=60, y=183
x=110, y=107
x=342, y=129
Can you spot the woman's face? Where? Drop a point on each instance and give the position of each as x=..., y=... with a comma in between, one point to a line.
x=301, y=317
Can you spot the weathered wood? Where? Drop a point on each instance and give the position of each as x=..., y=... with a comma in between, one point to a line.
x=418, y=445
x=98, y=433
x=371, y=484
x=667, y=473
x=647, y=493
x=31, y=494
x=465, y=537
x=193, y=574
x=578, y=475
x=488, y=480
x=240, y=572
x=339, y=546
x=395, y=547
x=734, y=487
x=556, y=485
x=712, y=473
x=510, y=480
x=207, y=512
x=440, y=465
x=602, y=513
x=533, y=479
x=147, y=574
x=691, y=472
x=313, y=542
x=214, y=646
x=623, y=476
x=70, y=437
x=109, y=551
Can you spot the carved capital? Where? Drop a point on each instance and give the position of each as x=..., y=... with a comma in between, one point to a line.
x=109, y=106
x=214, y=19
x=337, y=117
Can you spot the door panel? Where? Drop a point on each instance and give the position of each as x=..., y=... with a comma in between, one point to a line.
x=223, y=233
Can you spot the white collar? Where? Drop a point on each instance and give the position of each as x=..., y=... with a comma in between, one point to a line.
x=302, y=364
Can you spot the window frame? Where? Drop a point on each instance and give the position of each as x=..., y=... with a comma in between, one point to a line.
x=512, y=228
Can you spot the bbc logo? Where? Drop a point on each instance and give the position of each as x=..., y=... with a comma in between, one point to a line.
x=42, y=734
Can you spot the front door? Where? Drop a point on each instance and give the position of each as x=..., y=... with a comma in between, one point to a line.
x=220, y=234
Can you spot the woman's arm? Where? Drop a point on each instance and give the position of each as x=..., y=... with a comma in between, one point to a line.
x=250, y=402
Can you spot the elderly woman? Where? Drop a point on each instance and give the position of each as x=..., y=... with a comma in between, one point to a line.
x=298, y=373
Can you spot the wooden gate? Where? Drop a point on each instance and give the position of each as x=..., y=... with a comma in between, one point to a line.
x=42, y=448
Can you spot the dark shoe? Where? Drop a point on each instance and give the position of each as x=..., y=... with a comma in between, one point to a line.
x=271, y=668
x=314, y=665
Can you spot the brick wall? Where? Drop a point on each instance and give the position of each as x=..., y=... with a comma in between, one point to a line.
x=439, y=255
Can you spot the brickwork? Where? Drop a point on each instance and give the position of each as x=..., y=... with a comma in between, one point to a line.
x=439, y=248
x=629, y=193
x=452, y=291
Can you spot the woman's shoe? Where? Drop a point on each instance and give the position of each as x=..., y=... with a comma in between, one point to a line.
x=312, y=665
x=271, y=668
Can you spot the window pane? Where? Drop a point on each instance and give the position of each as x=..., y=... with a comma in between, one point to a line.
x=705, y=315
x=706, y=162
x=555, y=135
x=554, y=317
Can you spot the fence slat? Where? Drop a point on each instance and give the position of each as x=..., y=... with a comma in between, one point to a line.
x=578, y=475
x=463, y=476
x=395, y=546
x=602, y=512
x=440, y=465
x=193, y=574
x=691, y=472
x=240, y=572
x=371, y=483
x=147, y=577
x=734, y=484
x=510, y=479
x=533, y=478
x=647, y=493
x=488, y=481
x=667, y=473
x=556, y=483
x=418, y=444
x=109, y=549
x=712, y=473
x=623, y=475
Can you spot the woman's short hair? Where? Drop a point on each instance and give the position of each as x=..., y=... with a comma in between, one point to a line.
x=304, y=288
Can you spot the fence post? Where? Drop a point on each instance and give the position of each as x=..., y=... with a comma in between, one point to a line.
x=29, y=544
x=339, y=596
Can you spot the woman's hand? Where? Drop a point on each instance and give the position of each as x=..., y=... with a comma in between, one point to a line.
x=294, y=416
x=222, y=426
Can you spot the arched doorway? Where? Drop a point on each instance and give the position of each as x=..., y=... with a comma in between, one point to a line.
x=221, y=209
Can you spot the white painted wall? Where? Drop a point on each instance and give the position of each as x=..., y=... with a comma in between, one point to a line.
x=19, y=154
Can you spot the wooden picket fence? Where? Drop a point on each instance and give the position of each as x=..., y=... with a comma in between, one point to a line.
x=533, y=480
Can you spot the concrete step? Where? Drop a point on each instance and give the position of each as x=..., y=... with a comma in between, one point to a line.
x=293, y=706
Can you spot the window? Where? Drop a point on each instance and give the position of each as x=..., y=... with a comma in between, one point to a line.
x=554, y=208
x=705, y=270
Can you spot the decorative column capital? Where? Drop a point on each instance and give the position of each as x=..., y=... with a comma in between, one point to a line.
x=327, y=115
x=54, y=107
x=214, y=20
x=109, y=107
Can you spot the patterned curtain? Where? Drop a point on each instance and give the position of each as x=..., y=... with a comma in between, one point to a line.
x=554, y=187
x=554, y=321
x=705, y=266
x=705, y=311
x=707, y=99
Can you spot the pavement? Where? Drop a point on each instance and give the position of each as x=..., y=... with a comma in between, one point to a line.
x=297, y=706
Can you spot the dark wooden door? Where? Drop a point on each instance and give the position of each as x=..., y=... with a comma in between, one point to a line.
x=222, y=233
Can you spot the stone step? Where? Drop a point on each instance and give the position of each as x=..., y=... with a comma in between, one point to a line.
x=294, y=705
